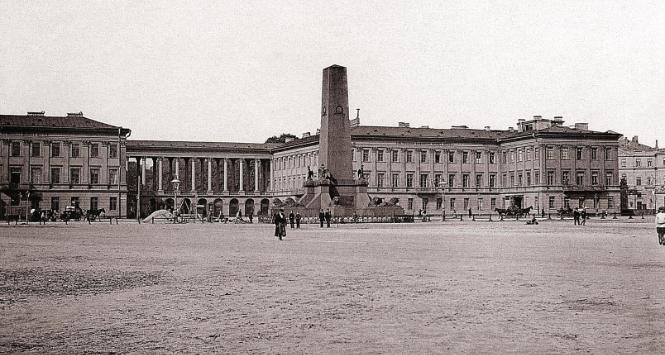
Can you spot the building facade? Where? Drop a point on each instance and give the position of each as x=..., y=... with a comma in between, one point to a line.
x=642, y=169
x=50, y=162
x=541, y=164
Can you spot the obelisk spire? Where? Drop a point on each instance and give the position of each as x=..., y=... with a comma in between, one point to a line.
x=335, y=138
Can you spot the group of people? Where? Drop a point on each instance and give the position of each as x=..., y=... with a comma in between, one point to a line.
x=579, y=216
x=280, y=219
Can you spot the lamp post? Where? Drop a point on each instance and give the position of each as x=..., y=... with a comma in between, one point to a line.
x=176, y=186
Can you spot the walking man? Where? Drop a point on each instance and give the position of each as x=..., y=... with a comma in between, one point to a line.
x=292, y=218
x=322, y=217
x=280, y=224
x=298, y=217
x=576, y=217
x=660, y=225
x=583, y=216
x=328, y=216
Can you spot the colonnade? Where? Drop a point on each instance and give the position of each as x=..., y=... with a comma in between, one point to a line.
x=205, y=175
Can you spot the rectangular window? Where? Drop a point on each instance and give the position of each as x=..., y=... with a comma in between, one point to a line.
x=504, y=180
x=578, y=153
x=395, y=180
x=608, y=179
x=564, y=153
x=550, y=178
x=423, y=156
x=439, y=203
x=36, y=149
x=425, y=202
x=528, y=178
x=35, y=175
x=594, y=178
x=409, y=180
x=94, y=150
x=465, y=180
x=451, y=157
x=113, y=150
x=492, y=157
x=74, y=201
x=465, y=157
x=466, y=203
x=437, y=180
x=594, y=153
x=409, y=203
x=14, y=175
x=437, y=157
x=16, y=149
x=551, y=202
x=623, y=163
x=55, y=203
x=113, y=203
x=492, y=181
x=55, y=149
x=504, y=156
x=479, y=156
x=579, y=178
x=113, y=176
x=365, y=155
x=638, y=181
x=512, y=156
x=379, y=155
x=638, y=162
x=512, y=179
x=94, y=176
x=608, y=153
x=94, y=203
x=549, y=153
x=409, y=156
x=394, y=156
x=519, y=180
x=481, y=203
x=520, y=155
x=479, y=180
x=55, y=175
x=76, y=150
x=536, y=153
x=75, y=176
x=452, y=203
x=423, y=180
x=527, y=154
x=536, y=177
x=649, y=163
x=451, y=180
x=379, y=179
x=565, y=177
x=610, y=202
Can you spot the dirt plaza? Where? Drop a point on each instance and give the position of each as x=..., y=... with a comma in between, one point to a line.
x=453, y=287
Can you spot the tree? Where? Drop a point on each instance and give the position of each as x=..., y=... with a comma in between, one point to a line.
x=281, y=139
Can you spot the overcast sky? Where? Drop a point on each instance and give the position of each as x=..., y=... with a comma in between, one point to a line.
x=246, y=70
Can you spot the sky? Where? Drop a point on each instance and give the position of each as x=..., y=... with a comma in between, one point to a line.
x=243, y=71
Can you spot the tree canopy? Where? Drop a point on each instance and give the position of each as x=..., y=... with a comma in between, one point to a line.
x=281, y=138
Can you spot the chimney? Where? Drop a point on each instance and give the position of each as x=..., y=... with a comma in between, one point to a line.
x=75, y=114
x=582, y=126
x=403, y=124
x=511, y=129
x=487, y=128
x=288, y=139
x=557, y=121
x=635, y=139
x=538, y=117
x=356, y=121
x=36, y=113
x=656, y=144
x=306, y=134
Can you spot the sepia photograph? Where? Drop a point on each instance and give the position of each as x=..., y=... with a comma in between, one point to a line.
x=347, y=177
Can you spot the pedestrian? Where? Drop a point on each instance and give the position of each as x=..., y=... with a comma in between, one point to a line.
x=298, y=217
x=321, y=218
x=543, y=213
x=470, y=213
x=328, y=216
x=576, y=217
x=660, y=225
x=280, y=224
x=583, y=216
x=292, y=218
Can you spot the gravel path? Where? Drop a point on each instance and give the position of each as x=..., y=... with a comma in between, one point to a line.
x=453, y=287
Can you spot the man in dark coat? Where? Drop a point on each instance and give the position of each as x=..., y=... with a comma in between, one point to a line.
x=576, y=217
x=298, y=217
x=292, y=218
x=322, y=217
x=280, y=224
x=328, y=216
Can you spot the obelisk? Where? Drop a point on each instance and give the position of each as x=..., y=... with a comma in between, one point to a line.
x=335, y=134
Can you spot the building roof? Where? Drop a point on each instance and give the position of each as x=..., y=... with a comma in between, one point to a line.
x=55, y=123
x=159, y=145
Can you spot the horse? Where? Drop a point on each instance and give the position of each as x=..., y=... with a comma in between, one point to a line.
x=93, y=213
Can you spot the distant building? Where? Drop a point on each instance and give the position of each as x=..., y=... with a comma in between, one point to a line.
x=642, y=167
x=51, y=162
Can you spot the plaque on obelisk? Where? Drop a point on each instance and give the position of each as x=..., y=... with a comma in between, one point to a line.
x=335, y=134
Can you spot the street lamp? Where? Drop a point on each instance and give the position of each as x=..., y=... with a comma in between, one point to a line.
x=176, y=185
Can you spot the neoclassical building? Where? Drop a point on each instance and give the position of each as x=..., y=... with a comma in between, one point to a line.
x=541, y=163
x=56, y=161
x=642, y=167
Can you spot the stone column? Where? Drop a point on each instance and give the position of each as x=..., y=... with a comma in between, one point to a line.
x=160, y=186
x=256, y=175
x=142, y=161
x=209, y=176
x=242, y=162
x=226, y=175
x=272, y=177
x=177, y=168
x=193, y=160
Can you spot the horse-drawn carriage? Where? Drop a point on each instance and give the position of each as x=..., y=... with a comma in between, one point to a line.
x=514, y=211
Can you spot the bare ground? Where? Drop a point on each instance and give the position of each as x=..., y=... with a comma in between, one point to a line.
x=453, y=287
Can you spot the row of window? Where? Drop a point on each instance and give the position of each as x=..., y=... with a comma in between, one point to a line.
x=56, y=172
x=74, y=201
x=296, y=161
x=75, y=149
x=480, y=203
x=637, y=163
x=579, y=153
x=424, y=156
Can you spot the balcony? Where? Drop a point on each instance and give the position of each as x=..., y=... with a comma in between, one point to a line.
x=567, y=187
